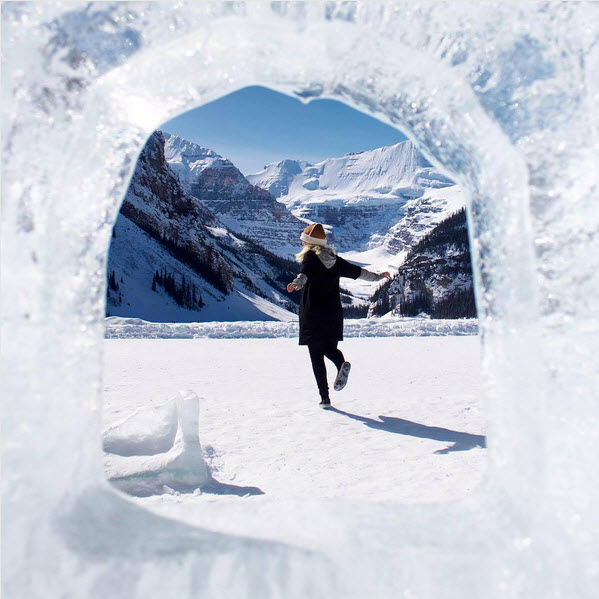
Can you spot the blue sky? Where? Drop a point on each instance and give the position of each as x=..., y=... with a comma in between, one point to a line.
x=255, y=126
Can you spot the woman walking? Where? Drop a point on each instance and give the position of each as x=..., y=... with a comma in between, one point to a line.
x=321, y=314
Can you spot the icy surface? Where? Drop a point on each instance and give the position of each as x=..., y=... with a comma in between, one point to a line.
x=146, y=431
x=500, y=96
x=180, y=467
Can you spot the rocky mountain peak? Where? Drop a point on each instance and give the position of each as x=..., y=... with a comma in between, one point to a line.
x=242, y=206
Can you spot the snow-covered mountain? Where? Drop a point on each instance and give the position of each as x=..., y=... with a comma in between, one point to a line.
x=436, y=276
x=377, y=203
x=241, y=206
x=172, y=259
x=278, y=176
x=185, y=242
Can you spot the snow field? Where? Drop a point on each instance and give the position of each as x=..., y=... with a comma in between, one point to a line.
x=408, y=427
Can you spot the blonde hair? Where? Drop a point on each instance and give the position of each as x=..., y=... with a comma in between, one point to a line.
x=307, y=248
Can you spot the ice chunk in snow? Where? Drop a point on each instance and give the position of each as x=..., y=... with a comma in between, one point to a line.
x=181, y=468
x=147, y=431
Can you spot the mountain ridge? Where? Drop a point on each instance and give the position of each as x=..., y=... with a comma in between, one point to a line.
x=234, y=237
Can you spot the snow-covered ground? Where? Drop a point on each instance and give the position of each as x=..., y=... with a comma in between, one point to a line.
x=408, y=427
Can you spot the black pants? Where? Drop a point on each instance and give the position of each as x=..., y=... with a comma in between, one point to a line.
x=317, y=355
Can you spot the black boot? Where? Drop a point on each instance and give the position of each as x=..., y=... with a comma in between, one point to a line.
x=325, y=403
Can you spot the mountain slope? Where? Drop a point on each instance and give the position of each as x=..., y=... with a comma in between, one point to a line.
x=278, y=176
x=436, y=277
x=172, y=259
x=242, y=207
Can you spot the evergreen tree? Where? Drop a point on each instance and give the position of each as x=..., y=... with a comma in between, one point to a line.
x=112, y=282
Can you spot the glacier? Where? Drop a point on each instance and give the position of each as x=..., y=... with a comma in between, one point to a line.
x=499, y=96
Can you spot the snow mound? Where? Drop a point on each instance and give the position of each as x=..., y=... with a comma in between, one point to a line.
x=363, y=327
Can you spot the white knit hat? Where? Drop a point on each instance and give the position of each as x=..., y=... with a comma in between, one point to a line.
x=314, y=234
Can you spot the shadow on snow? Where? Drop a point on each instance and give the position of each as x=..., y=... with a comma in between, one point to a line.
x=157, y=483
x=461, y=441
x=217, y=488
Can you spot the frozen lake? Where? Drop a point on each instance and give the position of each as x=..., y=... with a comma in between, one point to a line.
x=408, y=427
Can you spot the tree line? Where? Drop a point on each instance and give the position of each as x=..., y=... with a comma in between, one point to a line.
x=184, y=293
x=204, y=259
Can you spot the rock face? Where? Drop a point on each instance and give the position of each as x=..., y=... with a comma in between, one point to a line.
x=241, y=206
x=379, y=202
x=435, y=278
x=172, y=259
x=157, y=204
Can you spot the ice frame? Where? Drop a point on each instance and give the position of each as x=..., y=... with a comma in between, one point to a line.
x=502, y=96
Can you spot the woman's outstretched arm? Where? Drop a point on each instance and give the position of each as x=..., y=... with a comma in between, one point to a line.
x=353, y=271
x=367, y=275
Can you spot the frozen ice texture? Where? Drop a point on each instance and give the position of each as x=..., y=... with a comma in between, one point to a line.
x=147, y=431
x=501, y=96
x=178, y=467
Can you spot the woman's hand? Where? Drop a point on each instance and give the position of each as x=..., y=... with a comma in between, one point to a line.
x=292, y=287
x=386, y=275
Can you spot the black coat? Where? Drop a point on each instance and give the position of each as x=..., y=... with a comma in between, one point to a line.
x=320, y=313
